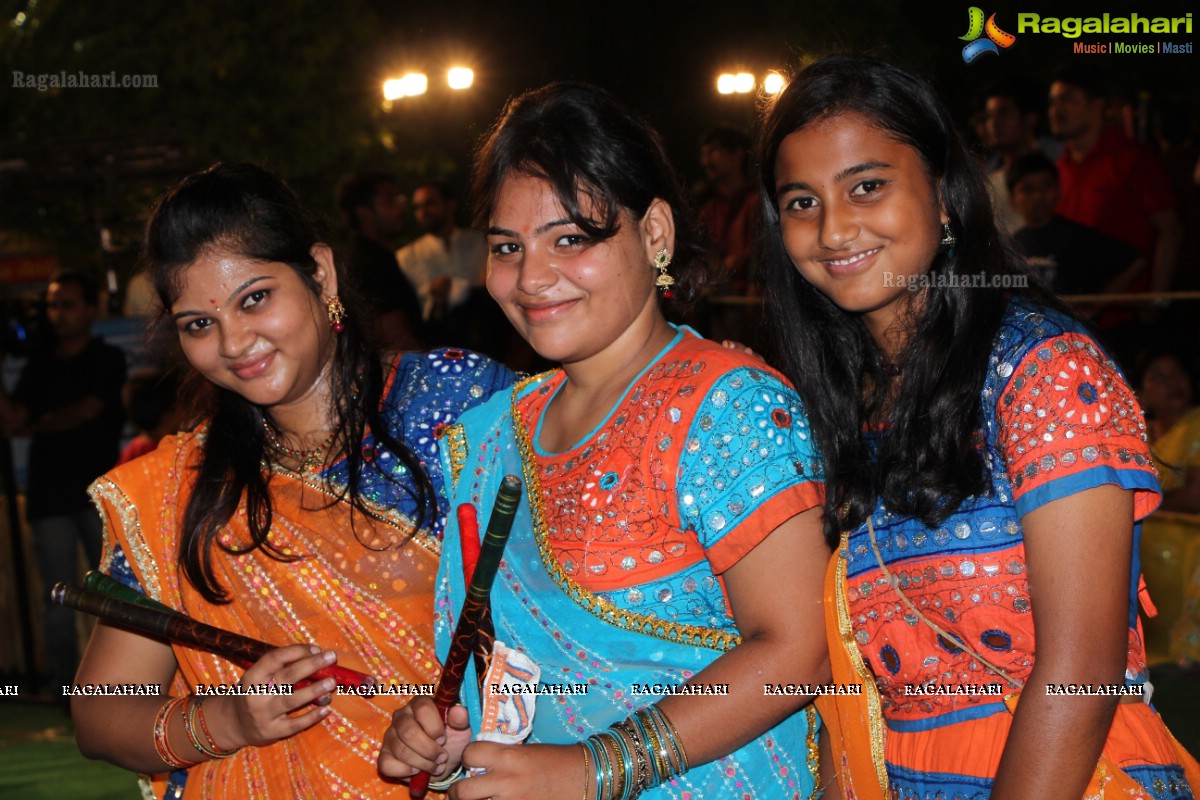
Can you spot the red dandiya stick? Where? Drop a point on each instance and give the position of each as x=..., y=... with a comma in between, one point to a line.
x=166, y=623
x=475, y=607
x=468, y=527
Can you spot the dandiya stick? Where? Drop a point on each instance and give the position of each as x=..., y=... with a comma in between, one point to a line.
x=97, y=581
x=469, y=544
x=177, y=627
x=468, y=527
x=474, y=609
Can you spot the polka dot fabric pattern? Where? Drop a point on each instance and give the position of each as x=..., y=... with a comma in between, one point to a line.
x=425, y=393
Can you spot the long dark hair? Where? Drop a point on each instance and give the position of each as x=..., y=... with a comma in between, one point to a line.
x=580, y=140
x=249, y=211
x=927, y=461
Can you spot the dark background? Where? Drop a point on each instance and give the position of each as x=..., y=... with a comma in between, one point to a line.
x=296, y=86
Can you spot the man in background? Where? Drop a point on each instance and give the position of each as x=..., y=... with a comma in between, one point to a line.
x=730, y=213
x=68, y=400
x=446, y=265
x=1012, y=108
x=1072, y=259
x=374, y=210
x=1109, y=182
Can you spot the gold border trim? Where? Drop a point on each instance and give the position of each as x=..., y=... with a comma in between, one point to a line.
x=380, y=513
x=104, y=491
x=454, y=438
x=693, y=635
x=846, y=635
x=811, y=740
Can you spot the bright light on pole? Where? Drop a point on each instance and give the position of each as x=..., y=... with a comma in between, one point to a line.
x=726, y=83
x=773, y=83
x=460, y=78
x=414, y=83
x=743, y=83
x=411, y=85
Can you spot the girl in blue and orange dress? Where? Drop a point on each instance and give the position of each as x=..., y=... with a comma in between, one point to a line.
x=670, y=534
x=986, y=465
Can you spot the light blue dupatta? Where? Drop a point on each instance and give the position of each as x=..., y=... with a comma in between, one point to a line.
x=581, y=640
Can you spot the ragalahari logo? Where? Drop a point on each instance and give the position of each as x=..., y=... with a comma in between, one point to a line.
x=976, y=27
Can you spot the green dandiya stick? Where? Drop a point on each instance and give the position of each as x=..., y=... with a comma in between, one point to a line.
x=99, y=582
x=474, y=609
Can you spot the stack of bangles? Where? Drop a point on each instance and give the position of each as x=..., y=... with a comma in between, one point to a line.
x=632, y=756
x=191, y=708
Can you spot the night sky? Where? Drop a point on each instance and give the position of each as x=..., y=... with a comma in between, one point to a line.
x=297, y=85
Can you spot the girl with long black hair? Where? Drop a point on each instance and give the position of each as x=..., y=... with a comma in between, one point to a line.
x=986, y=464
x=301, y=508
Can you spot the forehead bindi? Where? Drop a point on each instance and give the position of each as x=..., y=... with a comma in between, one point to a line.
x=210, y=281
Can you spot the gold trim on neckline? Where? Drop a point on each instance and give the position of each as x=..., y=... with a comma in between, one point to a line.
x=604, y=610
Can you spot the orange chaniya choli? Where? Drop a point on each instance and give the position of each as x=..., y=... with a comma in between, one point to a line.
x=360, y=586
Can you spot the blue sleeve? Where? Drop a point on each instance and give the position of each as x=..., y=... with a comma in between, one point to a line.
x=429, y=392
x=749, y=464
x=432, y=389
x=119, y=570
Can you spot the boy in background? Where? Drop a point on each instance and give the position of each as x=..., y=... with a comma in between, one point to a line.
x=1071, y=258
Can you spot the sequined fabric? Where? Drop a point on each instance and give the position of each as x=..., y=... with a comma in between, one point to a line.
x=699, y=460
x=1058, y=418
x=364, y=592
x=694, y=466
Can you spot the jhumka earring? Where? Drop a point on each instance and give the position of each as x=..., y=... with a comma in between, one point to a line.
x=336, y=312
x=662, y=260
x=948, y=239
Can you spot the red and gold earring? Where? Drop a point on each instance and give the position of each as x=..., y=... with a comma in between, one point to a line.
x=337, y=313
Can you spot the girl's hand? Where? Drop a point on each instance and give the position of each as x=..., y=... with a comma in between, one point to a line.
x=522, y=772
x=263, y=719
x=418, y=741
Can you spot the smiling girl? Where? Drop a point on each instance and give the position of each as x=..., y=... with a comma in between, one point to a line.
x=301, y=508
x=671, y=536
x=986, y=465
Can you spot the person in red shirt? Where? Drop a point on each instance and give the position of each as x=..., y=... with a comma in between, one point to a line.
x=730, y=213
x=1109, y=182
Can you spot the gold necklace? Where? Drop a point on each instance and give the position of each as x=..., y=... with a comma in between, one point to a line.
x=309, y=460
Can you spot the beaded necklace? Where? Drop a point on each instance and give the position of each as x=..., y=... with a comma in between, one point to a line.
x=309, y=461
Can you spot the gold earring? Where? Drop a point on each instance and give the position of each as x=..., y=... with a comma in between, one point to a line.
x=336, y=313
x=662, y=260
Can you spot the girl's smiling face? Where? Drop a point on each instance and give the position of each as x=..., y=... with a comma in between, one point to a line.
x=859, y=215
x=571, y=297
x=255, y=327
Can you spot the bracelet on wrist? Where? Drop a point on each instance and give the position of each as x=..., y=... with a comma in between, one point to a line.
x=448, y=781
x=162, y=741
x=195, y=725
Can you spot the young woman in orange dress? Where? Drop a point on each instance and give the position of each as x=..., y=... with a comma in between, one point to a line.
x=301, y=510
